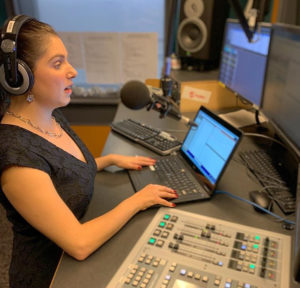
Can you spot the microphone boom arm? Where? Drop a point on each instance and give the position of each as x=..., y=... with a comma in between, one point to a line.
x=163, y=105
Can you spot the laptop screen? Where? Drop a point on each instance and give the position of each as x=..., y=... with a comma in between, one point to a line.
x=209, y=146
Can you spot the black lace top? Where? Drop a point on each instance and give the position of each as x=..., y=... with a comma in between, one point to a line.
x=35, y=257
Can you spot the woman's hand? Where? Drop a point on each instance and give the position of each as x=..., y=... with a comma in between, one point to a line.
x=127, y=162
x=132, y=162
x=154, y=194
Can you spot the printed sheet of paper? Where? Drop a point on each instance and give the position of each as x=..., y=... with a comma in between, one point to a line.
x=241, y=118
x=74, y=47
x=102, y=57
x=110, y=58
x=139, y=56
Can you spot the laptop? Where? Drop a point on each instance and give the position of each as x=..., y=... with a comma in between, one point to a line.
x=195, y=170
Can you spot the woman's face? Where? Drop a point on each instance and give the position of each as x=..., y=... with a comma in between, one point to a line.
x=53, y=75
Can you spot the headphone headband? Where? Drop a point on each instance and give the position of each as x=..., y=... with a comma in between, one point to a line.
x=12, y=77
x=13, y=25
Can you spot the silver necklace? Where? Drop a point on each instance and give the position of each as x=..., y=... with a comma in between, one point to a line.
x=27, y=121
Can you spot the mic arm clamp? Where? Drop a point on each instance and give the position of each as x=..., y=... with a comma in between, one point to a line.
x=162, y=104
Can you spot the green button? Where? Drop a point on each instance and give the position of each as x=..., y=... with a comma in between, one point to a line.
x=252, y=266
x=162, y=224
x=152, y=240
x=167, y=217
x=255, y=246
x=257, y=237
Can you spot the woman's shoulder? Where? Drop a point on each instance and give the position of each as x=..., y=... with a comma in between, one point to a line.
x=9, y=134
x=14, y=138
x=19, y=147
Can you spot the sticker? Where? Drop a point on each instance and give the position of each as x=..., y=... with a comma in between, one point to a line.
x=195, y=94
x=10, y=26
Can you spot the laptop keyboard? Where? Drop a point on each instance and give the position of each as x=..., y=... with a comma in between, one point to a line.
x=173, y=173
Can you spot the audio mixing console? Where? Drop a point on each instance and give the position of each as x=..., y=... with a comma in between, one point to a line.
x=186, y=250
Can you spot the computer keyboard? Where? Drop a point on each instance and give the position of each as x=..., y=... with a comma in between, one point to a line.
x=155, y=139
x=267, y=171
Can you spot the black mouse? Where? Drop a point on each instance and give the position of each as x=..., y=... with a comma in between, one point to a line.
x=262, y=199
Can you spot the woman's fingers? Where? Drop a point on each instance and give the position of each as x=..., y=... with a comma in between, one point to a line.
x=144, y=160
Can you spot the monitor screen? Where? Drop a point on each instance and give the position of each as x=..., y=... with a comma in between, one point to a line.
x=243, y=63
x=281, y=101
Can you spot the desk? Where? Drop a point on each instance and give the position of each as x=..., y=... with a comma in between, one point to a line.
x=113, y=185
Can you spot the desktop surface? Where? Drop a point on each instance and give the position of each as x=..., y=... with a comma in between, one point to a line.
x=113, y=185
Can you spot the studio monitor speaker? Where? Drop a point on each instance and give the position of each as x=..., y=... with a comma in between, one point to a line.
x=200, y=32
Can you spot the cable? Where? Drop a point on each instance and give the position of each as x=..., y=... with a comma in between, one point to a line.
x=288, y=149
x=266, y=137
x=256, y=205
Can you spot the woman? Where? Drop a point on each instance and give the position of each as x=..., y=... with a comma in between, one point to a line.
x=47, y=174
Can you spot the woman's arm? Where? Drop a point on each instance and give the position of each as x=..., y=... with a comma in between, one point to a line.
x=34, y=196
x=122, y=161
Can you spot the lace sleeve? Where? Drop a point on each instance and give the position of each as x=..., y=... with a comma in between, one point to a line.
x=22, y=158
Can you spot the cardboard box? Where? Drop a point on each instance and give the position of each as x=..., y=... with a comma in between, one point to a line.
x=208, y=93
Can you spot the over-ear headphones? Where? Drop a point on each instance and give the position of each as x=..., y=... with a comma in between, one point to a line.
x=16, y=78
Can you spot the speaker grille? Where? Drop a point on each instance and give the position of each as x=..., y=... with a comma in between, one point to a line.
x=192, y=34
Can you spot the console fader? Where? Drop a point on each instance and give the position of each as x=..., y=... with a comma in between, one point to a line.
x=185, y=250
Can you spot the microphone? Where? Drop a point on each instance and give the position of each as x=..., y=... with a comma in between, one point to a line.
x=136, y=95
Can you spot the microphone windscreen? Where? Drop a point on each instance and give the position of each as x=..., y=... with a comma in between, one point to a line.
x=135, y=95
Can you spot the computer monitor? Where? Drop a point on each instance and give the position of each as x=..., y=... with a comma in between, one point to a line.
x=296, y=268
x=281, y=101
x=243, y=63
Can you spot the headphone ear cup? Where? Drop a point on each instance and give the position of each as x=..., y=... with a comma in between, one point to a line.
x=25, y=76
